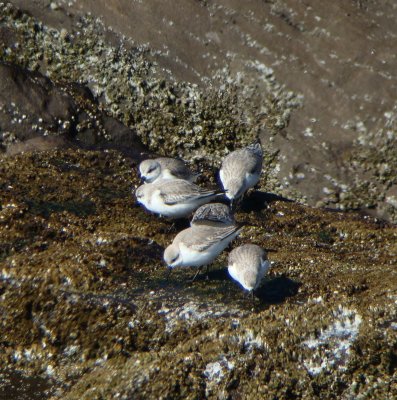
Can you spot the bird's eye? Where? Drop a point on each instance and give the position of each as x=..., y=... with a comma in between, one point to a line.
x=174, y=259
x=151, y=169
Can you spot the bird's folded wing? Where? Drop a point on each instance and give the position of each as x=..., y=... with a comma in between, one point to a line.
x=213, y=236
x=182, y=194
x=252, y=162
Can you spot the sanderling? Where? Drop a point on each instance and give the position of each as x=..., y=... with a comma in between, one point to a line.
x=199, y=245
x=174, y=198
x=241, y=170
x=247, y=265
x=165, y=168
x=213, y=213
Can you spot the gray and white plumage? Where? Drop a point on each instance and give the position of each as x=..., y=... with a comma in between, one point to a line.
x=213, y=213
x=165, y=168
x=174, y=198
x=247, y=265
x=241, y=170
x=199, y=245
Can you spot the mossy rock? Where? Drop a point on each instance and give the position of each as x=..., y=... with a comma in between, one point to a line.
x=85, y=298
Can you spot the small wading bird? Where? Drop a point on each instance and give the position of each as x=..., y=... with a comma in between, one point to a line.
x=213, y=214
x=198, y=246
x=174, y=198
x=241, y=170
x=247, y=265
x=165, y=168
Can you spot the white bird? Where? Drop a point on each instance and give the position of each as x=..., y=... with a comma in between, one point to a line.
x=199, y=245
x=247, y=265
x=241, y=170
x=174, y=198
x=217, y=214
x=165, y=168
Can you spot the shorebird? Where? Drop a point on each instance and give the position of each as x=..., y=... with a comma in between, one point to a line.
x=213, y=214
x=199, y=245
x=241, y=170
x=174, y=198
x=165, y=168
x=247, y=265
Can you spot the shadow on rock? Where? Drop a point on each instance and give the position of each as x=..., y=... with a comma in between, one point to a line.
x=215, y=275
x=186, y=277
x=275, y=291
x=257, y=201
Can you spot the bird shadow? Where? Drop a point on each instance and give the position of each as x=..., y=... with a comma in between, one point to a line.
x=271, y=292
x=257, y=200
x=221, y=274
x=277, y=290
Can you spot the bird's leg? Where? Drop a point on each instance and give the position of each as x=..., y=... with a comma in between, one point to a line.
x=195, y=276
x=171, y=228
x=235, y=203
x=250, y=295
x=207, y=271
x=232, y=206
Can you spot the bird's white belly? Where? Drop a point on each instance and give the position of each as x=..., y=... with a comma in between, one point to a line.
x=178, y=210
x=222, y=178
x=158, y=206
x=196, y=258
x=234, y=272
x=237, y=275
x=193, y=258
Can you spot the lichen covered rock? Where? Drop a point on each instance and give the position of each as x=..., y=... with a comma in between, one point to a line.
x=84, y=297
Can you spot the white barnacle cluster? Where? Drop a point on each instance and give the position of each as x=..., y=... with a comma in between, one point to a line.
x=331, y=348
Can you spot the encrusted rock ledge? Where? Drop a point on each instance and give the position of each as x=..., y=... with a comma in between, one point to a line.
x=84, y=298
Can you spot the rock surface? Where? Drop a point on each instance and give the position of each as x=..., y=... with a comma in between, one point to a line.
x=38, y=115
x=84, y=297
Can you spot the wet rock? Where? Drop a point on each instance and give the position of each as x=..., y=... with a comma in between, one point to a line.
x=30, y=105
x=37, y=115
x=84, y=297
x=39, y=143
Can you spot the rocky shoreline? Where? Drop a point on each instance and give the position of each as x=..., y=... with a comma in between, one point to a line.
x=84, y=297
x=84, y=302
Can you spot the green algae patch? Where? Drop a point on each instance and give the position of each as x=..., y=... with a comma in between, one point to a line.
x=85, y=300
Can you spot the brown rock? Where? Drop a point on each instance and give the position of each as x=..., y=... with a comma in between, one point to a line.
x=30, y=104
